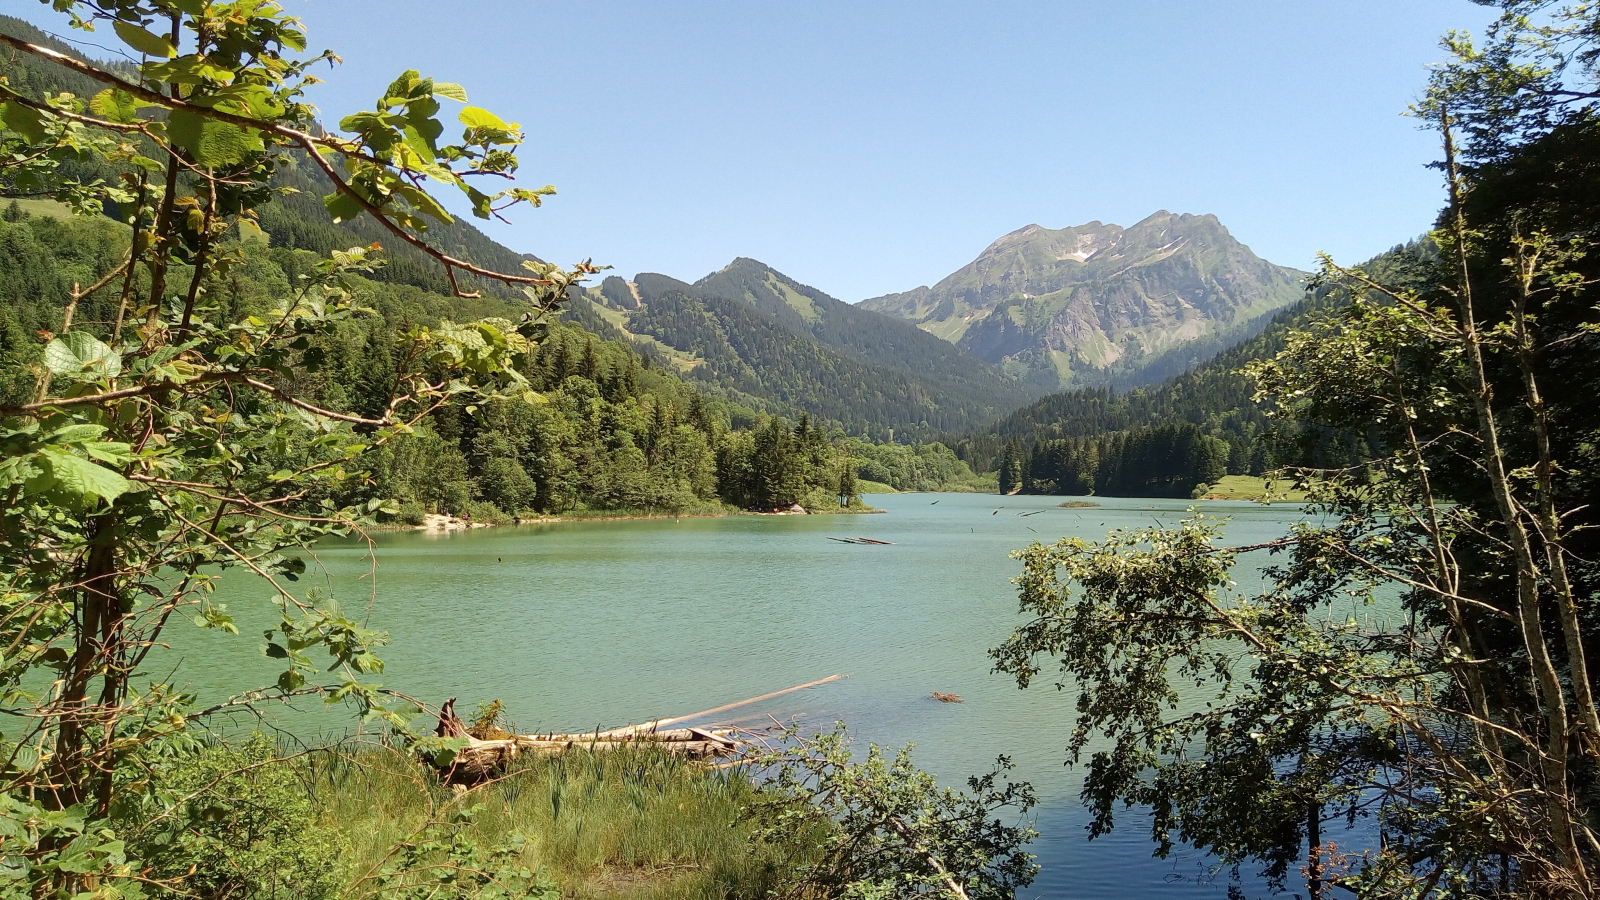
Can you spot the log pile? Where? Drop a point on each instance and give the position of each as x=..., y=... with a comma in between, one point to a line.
x=488, y=753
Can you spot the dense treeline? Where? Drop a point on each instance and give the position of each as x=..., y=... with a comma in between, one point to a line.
x=1164, y=461
x=915, y=467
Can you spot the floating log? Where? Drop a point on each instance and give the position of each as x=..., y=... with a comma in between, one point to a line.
x=862, y=540
x=946, y=698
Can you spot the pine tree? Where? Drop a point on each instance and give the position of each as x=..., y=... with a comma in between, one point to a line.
x=1009, y=469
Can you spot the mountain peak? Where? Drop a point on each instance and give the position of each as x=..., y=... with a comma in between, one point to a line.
x=744, y=262
x=1097, y=301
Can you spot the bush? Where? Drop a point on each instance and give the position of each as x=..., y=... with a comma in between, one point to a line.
x=412, y=513
x=245, y=828
x=485, y=513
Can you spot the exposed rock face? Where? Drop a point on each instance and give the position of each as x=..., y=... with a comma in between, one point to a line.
x=1102, y=303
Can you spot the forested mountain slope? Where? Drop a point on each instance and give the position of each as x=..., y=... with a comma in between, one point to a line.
x=1214, y=398
x=754, y=331
x=1102, y=304
x=296, y=219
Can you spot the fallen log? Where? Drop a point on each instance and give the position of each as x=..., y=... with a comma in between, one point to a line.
x=655, y=725
x=477, y=762
x=668, y=734
x=485, y=757
x=695, y=749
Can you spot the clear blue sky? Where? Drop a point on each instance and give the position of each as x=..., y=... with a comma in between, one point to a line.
x=867, y=147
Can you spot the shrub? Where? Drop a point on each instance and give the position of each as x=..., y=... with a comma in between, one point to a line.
x=485, y=513
x=412, y=513
x=244, y=827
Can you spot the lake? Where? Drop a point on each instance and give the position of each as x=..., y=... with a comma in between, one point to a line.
x=580, y=624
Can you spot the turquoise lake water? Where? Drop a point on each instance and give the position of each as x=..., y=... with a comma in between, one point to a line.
x=577, y=624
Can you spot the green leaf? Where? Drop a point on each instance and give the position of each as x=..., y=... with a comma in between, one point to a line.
x=482, y=204
x=423, y=202
x=450, y=89
x=211, y=142
x=477, y=117
x=446, y=754
x=192, y=7
x=116, y=106
x=25, y=757
x=342, y=206
x=74, y=434
x=78, y=352
x=420, y=142
x=115, y=452
x=143, y=41
x=251, y=233
x=24, y=120
x=79, y=476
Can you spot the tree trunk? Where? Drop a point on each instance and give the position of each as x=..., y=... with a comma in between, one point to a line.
x=98, y=604
x=1314, y=850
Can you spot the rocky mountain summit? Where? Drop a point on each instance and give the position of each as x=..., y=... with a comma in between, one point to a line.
x=1102, y=304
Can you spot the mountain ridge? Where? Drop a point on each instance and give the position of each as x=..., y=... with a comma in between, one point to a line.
x=1098, y=303
x=754, y=330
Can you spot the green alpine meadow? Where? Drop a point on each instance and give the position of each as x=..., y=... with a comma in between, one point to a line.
x=370, y=533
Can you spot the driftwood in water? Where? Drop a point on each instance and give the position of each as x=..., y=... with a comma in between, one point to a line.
x=484, y=757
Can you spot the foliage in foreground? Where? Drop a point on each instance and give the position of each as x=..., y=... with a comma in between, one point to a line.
x=882, y=828
x=1416, y=665
x=206, y=406
x=249, y=820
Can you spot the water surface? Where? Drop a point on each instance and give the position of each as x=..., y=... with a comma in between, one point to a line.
x=578, y=624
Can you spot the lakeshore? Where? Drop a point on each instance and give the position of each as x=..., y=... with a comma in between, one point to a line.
x=438, y=522
x=615, y=621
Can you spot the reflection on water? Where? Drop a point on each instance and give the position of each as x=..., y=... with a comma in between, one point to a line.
x=582, y=624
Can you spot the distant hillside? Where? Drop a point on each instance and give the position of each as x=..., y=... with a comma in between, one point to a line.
x=758, y=333
x=1213, y=396
x=1102, y=304
x=296, y=219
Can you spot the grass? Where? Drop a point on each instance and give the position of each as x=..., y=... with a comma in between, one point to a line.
x=1253, y=487
x=633, y=823
x=48, y=208
x=863, y=486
